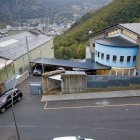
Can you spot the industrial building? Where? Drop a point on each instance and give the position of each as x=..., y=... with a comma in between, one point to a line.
x=18, y=50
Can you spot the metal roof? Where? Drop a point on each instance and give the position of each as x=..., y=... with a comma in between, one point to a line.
x=134, y=27
x=116, y=42
x=15, y=46
x=68, y=63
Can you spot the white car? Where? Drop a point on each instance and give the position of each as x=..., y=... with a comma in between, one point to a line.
x=37, y=72
x=71, y=138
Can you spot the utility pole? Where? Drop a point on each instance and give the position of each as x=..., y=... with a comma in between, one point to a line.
x=28, y=54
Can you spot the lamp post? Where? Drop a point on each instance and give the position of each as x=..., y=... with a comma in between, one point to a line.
x=13, y=113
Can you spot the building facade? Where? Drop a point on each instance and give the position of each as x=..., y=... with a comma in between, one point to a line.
x=118, y=47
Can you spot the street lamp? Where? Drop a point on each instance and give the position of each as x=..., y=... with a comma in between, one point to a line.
x=15, y=123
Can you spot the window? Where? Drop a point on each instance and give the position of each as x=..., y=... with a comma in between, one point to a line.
x=114, y=58
x=107, y=57
x=14, y=94
x=134, y=58
x=98, y=54
x=128, y=58
x=20, y=70
x=9, y=97
x=93, y=45
x=121, y=58
x=102, y=55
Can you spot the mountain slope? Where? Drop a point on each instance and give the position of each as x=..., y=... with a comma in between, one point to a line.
x=11, y=10
x=15, y=9
x=119, y=11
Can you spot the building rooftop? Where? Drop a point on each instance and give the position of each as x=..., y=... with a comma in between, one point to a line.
x=13, y=47
x=72, y=64
x=75, y=73
x=4, y=63
x=116, y=42
x=134, y=27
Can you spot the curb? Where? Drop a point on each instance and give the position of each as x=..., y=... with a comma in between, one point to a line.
x=96, y=95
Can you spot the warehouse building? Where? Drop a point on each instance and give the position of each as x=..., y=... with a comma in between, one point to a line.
x=18, y=50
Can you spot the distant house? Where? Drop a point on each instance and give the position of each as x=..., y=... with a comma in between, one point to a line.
x=117, y=47
x=18, y=50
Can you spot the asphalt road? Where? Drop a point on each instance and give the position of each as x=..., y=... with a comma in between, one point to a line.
x=101, y=119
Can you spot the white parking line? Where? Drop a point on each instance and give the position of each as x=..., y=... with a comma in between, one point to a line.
x=45, y=105
x=98, y=106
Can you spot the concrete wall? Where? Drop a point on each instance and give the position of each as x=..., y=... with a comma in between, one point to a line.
x=53, y=84
x=49, y=84
x=7, y=73
x=73, y=83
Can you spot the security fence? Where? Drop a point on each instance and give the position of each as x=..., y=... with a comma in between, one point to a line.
x=94, y=81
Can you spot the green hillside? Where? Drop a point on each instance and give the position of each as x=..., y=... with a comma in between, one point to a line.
x=72, y=43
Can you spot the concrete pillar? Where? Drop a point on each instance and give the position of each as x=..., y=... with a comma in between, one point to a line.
x=123, y=72
x=129, y=73
x=134, y=72
x=110, y=72
x=116, y=73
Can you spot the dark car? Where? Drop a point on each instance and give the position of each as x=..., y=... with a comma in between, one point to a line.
x=6, y=98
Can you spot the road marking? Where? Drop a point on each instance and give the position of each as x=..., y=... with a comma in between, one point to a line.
x=45, y=105
x=98, y=106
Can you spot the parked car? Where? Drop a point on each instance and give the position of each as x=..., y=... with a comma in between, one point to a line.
x=37, y=72
x=6, y=98
x=71, y=138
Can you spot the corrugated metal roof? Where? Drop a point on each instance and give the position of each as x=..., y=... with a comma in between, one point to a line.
x=134, y=27
x=15, y=50
x=116, y=42
x=68, y=63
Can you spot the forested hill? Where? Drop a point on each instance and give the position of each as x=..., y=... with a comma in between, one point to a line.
x=72, y=43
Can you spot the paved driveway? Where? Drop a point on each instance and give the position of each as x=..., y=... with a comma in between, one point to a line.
x=24, y=86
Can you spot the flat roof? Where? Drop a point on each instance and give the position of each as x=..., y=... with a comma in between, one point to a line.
x=116, y=42
x=74, y=73
x=69, y=63
x=56, y=77
x=13, y=47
